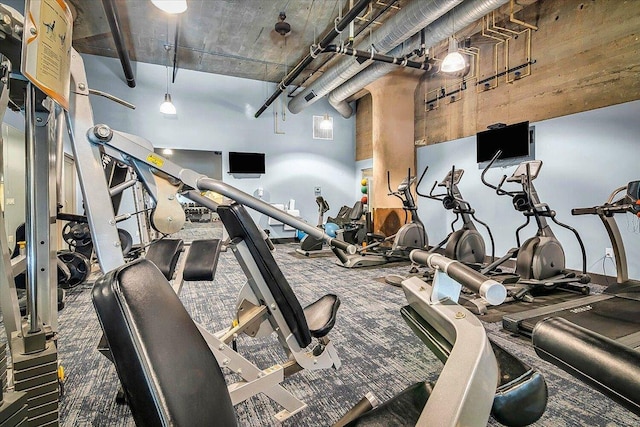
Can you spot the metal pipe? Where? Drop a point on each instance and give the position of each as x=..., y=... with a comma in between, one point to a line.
x=117, y=189
x=30, y=124
x=401, y=61
x=328, y=38
x=59, y=155
x=492, y=291
x=118, y=38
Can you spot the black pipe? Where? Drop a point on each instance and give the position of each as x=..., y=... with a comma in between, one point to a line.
x=175, y=49
x=402, y=61
x=328, y=38
x=118, y=38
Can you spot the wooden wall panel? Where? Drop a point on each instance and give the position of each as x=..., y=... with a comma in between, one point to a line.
x=364, y=128
x=587, y=56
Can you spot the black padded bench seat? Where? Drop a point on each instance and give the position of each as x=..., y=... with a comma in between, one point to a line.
x=322, y=313
x=202, y=260
x=610, y=367
x=164, y=254
x=167, y=371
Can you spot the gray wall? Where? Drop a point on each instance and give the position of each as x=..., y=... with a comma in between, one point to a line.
x=585, y=157
x=13, y=163
x=216, y=113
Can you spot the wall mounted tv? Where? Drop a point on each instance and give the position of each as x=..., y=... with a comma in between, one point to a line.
x=246, y=163
x=515, y=141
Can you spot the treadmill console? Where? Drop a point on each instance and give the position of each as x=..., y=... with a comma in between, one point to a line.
x=521, y=170
x=456, y=178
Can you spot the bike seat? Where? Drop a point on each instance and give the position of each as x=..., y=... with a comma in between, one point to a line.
x=321, y=315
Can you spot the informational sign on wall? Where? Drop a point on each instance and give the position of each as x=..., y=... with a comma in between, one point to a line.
x=46, y=48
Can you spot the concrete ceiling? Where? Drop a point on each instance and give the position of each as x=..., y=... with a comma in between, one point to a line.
x=229, y=37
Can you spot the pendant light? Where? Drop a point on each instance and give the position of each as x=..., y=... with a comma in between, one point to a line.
x=454, y=61
x=171, y=6
x=167, y=106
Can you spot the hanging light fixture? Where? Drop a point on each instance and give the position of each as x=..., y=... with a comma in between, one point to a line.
x=167, y=106
x=326, y=123
x=171, y=6
x=454, y=61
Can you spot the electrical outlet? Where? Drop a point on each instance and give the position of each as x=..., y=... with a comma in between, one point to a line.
x=608, y=252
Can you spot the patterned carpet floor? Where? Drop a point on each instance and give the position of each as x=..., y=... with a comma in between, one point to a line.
x=378, y=350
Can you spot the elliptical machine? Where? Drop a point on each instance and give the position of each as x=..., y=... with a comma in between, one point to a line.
x=465, y=244
x=310, y=244
x=540, y=260
x=411, y=235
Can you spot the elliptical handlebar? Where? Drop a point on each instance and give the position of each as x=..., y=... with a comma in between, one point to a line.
x=486, y=168
x=420, y=181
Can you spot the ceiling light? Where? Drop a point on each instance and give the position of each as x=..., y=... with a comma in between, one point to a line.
x=454, y=61
x=171, y=6
x=167, y=151
x=326, y=123
x=167, y=106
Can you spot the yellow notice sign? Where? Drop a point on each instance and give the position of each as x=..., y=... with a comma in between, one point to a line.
x=155, y=160
x=46, y=48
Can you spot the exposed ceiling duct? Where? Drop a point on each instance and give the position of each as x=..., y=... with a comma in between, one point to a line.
x=411, y=19
x=442, y=28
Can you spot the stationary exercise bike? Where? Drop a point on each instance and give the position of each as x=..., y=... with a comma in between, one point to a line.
x=309, y=243
x=540, y=260
x=411, y=235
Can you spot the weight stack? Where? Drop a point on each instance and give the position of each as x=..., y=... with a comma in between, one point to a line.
x=13, y=405
x=36, y=375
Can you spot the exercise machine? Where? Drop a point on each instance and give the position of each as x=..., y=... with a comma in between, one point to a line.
x=310, y=244
x=465, y=244
x=615, y=313
x=266, y=303
x=540, y=260
x=411, y=235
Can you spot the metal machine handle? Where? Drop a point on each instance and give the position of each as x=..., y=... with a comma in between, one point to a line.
x=492, y=291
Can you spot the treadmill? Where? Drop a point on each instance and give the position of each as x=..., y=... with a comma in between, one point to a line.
x=616, y=312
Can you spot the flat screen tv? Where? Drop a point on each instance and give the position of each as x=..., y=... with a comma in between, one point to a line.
x=249, y=163
x=513, y=140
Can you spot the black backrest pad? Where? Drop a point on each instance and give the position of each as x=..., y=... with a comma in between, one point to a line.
x=239, y=224
x=164, y=253
x=202, y=260
x=165, y=366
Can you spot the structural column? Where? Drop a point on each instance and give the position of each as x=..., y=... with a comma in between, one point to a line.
x=393, y=143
